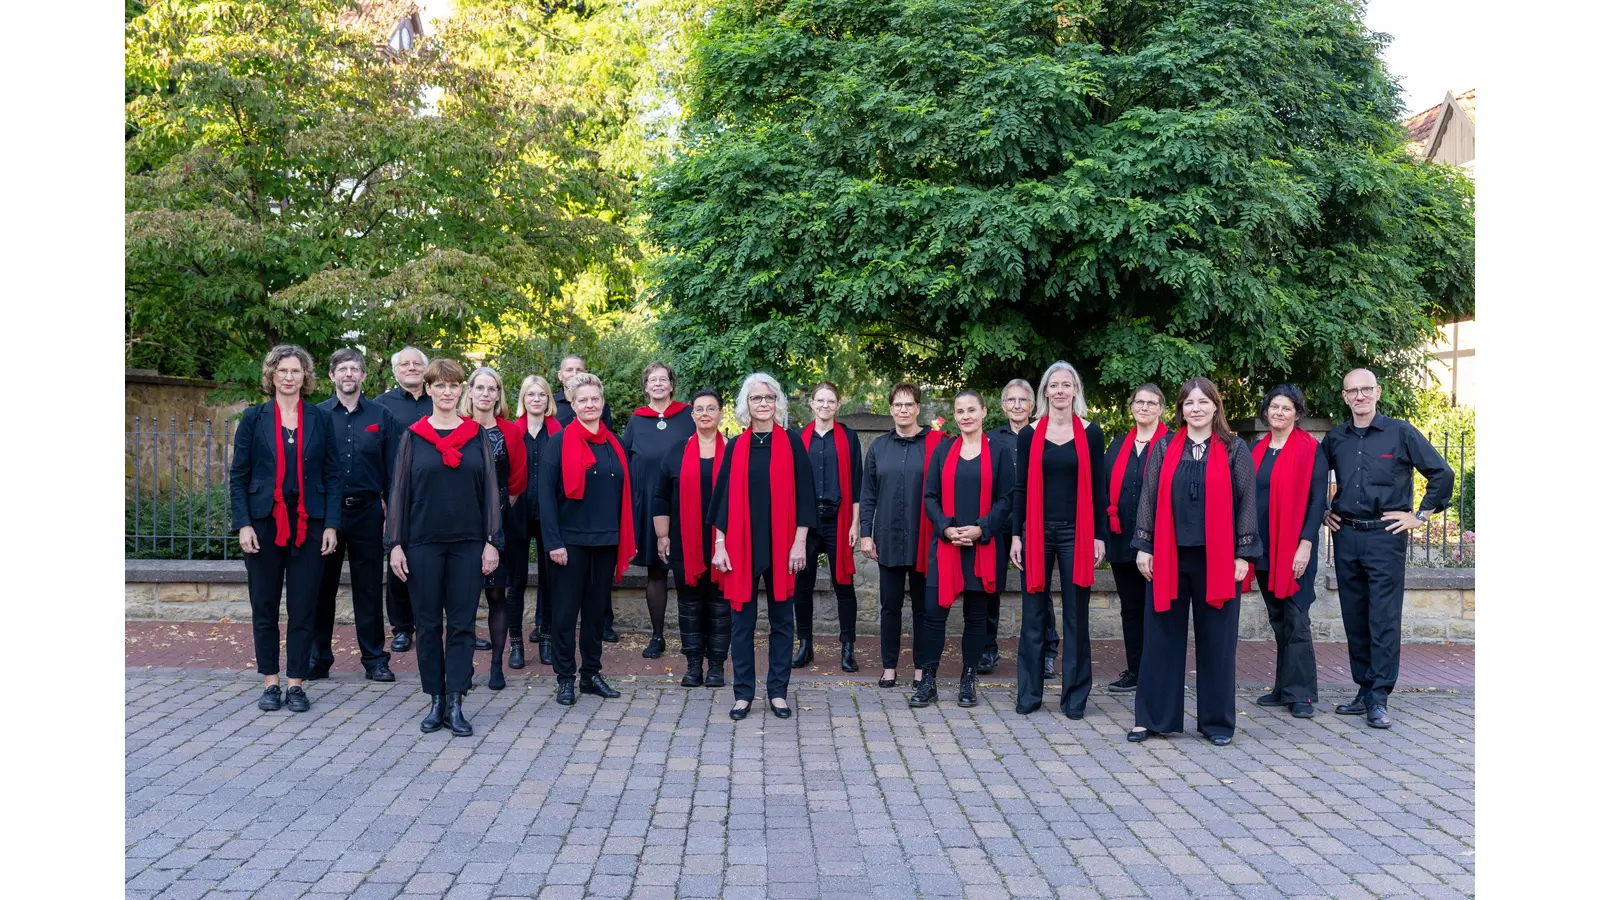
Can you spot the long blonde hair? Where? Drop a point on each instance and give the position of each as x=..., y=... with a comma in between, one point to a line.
x=530, y=381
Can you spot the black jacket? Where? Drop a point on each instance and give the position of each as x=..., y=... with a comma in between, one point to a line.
x=253, y=475
x=891, y=496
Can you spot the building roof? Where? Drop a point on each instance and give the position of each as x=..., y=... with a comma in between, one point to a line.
x=1419, y=128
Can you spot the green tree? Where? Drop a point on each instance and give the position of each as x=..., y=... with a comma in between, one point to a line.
x=967, y=189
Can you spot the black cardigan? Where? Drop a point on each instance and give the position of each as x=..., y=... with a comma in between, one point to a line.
x=253, y=475
x=429, y=502
x=592, y=521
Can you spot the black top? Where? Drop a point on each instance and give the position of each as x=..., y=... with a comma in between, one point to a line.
x=824, y=459
x=535, y=445
x=1119, y=547
x=664, y=502
x=502, y=466
x=1241, y=472
x=432, y=503
x=1372, y=468
x=592, y=521
x=891, y=496
x=969, y=491
x=291, y=472
x=1316, y=503
x=565, y=415
x=1006, y=438
x=406, y=409
x=253, y=475
x=366, y=438
x=646, y=445
x=766, y=545
x=1060, y=471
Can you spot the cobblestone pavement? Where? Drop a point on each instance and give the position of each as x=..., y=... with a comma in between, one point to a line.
x=658, y=795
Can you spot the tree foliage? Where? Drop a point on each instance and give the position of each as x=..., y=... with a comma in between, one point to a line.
x=968, y=189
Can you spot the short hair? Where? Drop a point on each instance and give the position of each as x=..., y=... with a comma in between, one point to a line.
x=344, y=355
x=707, y=392
x=1147, y=386
x=1041, y=403
x=1017, y=382
x=1219, y=419
x=825, y=386
x=445, y=371
x=529, y=382
x=499, y=410
x=968, y=392
x=394, y=358
x=905, y=387
x=580, y=380
x=1285, y=390
x=278, y=354
x=741, y=405
x=672, y=377
x=576, y=356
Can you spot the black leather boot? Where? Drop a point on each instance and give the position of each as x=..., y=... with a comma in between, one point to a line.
x=969, y=688
x=497, y=676
x=655, y=647
x=1049, y=666
x=546, y=656
x=693, y=677
x=714, y=677
x=802, y=654
x=456, y=717
x=514, y=658
x=480, y=644
x=565, y=694
x=596, y=685
x=847, y=656
x=927, y=692
x=434, y=720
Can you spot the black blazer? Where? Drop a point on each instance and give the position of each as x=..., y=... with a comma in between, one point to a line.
x=255, y=468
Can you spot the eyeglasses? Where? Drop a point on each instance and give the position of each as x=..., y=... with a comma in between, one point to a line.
x=485, y=389
x=1143, y=404
x=763, y=398
x=350, y=370
x=903, y=406
x=1366, y=390
x=1015, y=401
x=826, y=402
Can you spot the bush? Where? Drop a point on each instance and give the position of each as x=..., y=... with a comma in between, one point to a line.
x=185, y=525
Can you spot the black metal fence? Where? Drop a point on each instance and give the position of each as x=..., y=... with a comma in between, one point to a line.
x=1449, y=538
x=176, y=490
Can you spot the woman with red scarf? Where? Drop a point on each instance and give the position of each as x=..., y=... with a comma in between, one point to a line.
x=1195, y=534
x=443, y=534
x=537, y=422
x=1058, y=520
x=486, y=392
x=968, y=499
x=834, y=453
x=1129, y=456
x=680, y=510
x=655, y=429
x=284, y=487
x=586, y=515
x=763, y=508
x=1291, y=496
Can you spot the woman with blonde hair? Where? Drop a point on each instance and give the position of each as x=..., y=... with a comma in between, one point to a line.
x=486, y=393
x=537, y=421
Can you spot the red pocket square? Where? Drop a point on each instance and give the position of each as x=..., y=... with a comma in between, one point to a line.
x=372, y=427
x=1380, y=456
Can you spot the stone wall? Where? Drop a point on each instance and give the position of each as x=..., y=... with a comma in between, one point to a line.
x=176, y=433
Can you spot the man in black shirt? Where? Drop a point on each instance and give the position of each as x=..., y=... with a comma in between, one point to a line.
x=364, y=435
x=572, y=364
x=408, y=402
x=1371, y=457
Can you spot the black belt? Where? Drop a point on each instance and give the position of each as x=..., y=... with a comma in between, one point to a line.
x=827, y=506
x=1366, y=524
x=358, y=500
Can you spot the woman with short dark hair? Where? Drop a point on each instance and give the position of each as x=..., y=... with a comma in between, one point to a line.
x=653, y=430
x=1129, y=456
x=834, y=452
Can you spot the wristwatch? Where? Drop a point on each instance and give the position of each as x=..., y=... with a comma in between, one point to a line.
x=1424, y=514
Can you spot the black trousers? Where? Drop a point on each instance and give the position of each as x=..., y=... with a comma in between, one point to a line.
x=897, y=584
x=268, y=572
x=1158, y=705
x=1038, y=617
x=780, y=643
x=397, y=602
x=1002, y=549
x=446, y=579
x=361, y=534
x=1296, y=677
x=582, y=586
x=705, y=621
x=1371, y=570
x=515, y=560
x=1134, y=593
x=974, y=631
x=819, y=540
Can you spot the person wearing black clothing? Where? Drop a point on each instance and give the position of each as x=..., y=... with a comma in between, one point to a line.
x=444, y=534
x=537, y=426
x=967, y=495
x=680, y=512
x=834, y=474
x=365, y=435
x=1372, y=457
x=1291, y=488
x=586, y=520
x=485, y=391
x=764, y=506
x=1058, y=523
x=571, y=365
x=653, y=430
x=1195, y=535
x=895, y=530
x=407, y=402
x=1127, y=464
x=284, y=488
x=1016, y=400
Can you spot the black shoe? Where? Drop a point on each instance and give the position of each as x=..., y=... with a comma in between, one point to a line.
x=1129, y=681
x=1138, y=735
x=271, y=699
x=1221, y=740
x=437, y=713
x=847, y=656
x=693, y=677
x=546, y=656
x=927, y=692
x=401, y=642
x=1356, y=707
x=782, y=712
x=1074, y=715
x=565, y=694
x=1272, y=699
x=297, y=701
x=737, y=713
x=803, y=654
x=969, y=688
x=1049, y=666
x=480, y=644
x=1302, y=710
x=319, y=671
x=497, y=678
x=887, y=682
x=596, y=685
x=987, y=663
x=610, y=635
x=1377, y=714
x=456, y=717
x=714, y=676
x=654, y=649
x=380, y=672
x=1028, y=710
x=515, y=658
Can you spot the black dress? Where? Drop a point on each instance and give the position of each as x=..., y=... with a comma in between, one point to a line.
x=646, y=443
x=502, y=476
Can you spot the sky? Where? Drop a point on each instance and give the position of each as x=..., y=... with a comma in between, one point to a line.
x=1432, y=47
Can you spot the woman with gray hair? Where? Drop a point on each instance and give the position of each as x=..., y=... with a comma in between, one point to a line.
x=763, y=508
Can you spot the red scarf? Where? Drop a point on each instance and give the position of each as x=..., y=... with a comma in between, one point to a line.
x=931, y=442
x=841, y=450
x=1220, y=587
x=577, y=459
x=1288, y=494
x=951, y=578
x=1033, y=565
x=673, y=408
x=689, y=499
x=449, y=447
x=1120, y=468
x=739, y=584
x=280, y=510
x=516, y=454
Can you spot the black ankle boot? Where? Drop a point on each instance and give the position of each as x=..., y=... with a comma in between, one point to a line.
x=927, y=691
x=802, y=654
x=654, y=649
x=545, y=656
x=693, y=677
x=515, y=659
x=847, y=656
x=434, y=720
x=456, y=718
x=497, y=677
x=714, y=676
x=969, y=688
x=566, y=695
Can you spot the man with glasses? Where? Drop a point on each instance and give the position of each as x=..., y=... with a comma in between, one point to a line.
x=1017, y=403
x=1372, y=457
x=407, y=402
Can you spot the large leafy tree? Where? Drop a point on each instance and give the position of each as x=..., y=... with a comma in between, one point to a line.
x=967, y=189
